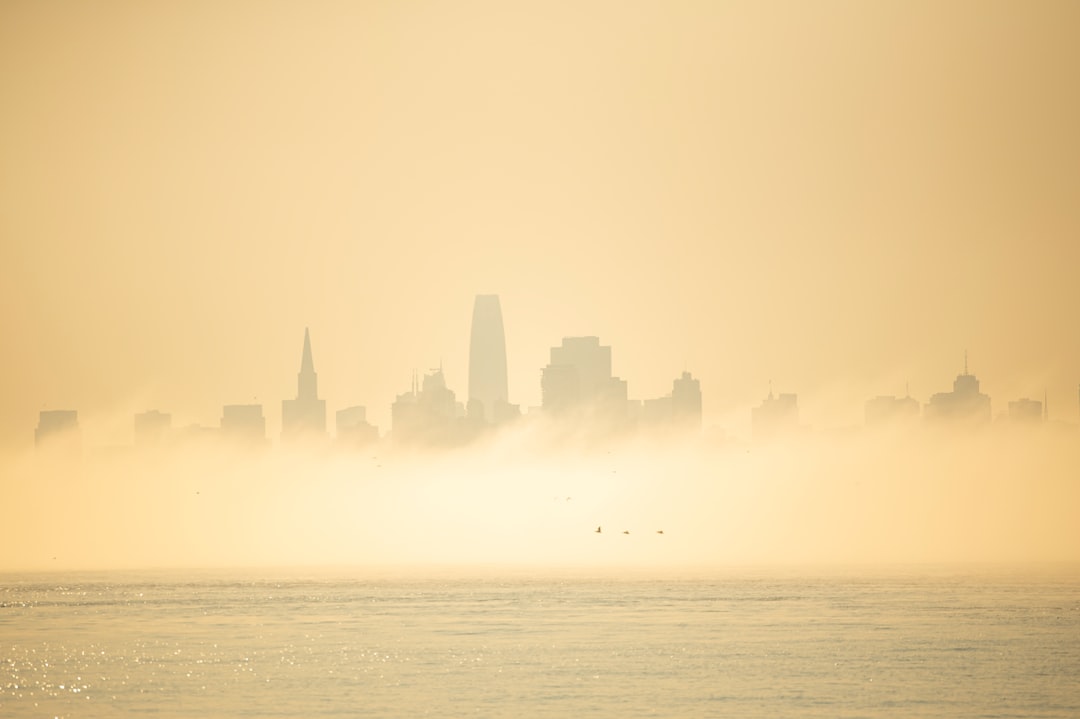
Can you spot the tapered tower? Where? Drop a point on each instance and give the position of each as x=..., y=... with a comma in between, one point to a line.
x=487, y=357
x=305, y=415
x=307, y=382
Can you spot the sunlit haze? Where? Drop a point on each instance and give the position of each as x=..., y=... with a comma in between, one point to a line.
x=346, y=205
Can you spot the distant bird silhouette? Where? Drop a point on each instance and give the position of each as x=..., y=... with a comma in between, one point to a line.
x=626, y=531
x=598, y=530
x=659, y=531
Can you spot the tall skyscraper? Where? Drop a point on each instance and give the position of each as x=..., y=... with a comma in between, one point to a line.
x=305, y=415
x=487, y=356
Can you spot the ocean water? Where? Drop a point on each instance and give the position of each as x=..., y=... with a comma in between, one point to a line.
x=915, y=642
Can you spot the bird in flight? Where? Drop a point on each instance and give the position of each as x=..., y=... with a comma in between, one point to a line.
x=598, y=530
x=626, y=531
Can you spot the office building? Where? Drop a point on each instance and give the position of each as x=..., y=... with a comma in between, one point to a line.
x=886, y=410
x=243, y=424
x=151, y=428
x=428, y=414
x=353, y=429
x=1026, y=411
x=686, y=402
x=775, y=417
x=578, y=379
x=58, y=432
x=965, y=405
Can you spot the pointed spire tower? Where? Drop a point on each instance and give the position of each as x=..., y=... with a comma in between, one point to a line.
x=307, y=382
x=304, y=416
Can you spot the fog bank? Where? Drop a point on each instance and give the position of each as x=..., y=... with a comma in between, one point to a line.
x=866, y=498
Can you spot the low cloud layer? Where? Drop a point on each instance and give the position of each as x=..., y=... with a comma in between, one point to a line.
x=901, y=497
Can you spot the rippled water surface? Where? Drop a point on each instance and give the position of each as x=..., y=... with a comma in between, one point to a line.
x=751, y=644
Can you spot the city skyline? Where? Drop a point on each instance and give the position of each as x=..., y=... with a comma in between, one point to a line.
x=839, y=199
x=593, y=358
x=720, y=413
x=576, y=385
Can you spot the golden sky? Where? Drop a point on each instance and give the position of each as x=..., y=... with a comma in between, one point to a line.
x=840, y=197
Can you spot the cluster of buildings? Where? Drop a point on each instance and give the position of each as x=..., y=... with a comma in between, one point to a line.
x=578, y=390
x=579, y=394
x=965, y=406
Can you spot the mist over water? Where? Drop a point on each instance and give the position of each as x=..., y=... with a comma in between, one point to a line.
x=678, y=207
x=520, y=499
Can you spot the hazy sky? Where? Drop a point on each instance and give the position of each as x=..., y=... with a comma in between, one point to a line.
x=836, y=196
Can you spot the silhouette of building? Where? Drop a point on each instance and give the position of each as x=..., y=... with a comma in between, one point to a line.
x=888, y=410
x=590, y=368
x=775, y=417
x=560, y=388
x=1026, y=411
x=428, y=414
x=964, y=405
x=243, y=424
x=686, y=402
x=487, y=359
x=58, y=432
x=679, y=410
x=304, y=416
x=612, y=400
x=578, y=380
x=654, y=414
x=151, y=428
x=353, y=429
